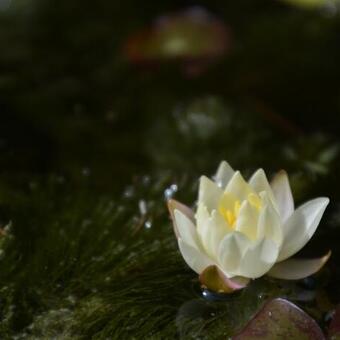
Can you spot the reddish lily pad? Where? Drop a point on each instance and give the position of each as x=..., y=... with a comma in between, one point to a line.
x=281, y=319
x=334, y=327
x=190, y=36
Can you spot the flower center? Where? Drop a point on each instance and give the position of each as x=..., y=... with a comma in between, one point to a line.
x=231, y=212
x=230, y=215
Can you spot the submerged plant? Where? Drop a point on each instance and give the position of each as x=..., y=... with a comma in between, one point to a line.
x=242, y=231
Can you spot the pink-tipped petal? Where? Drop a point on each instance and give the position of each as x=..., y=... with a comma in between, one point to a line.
x=187, y=230
x=214, y=279
x=296, y=269
x=175, y=205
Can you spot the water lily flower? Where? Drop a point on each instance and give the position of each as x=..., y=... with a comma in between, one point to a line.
x=244, y=230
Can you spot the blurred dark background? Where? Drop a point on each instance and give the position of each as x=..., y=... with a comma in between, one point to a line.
x=102, y=88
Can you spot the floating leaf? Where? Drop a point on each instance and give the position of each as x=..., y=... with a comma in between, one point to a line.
x=334, y=327
x=281, y=319
x=192, y=35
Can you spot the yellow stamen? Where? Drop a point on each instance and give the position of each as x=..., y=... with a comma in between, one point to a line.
x=231, y=215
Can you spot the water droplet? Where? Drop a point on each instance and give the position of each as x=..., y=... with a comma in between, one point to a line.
x=148, y=224
x=213, y=296
x=170, y=191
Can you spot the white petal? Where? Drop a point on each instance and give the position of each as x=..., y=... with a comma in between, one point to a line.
x=296, y=269
x=187, y=230
x=269, y=224
x=172, y=206
x=259, y=183
x=238, y=187
x=195, y=259
x=224, y=174
x=258, y=259
x=301, y=226
x=227, y=201
x=283, y=195
x=231, y=251
x=202, y=217
x=247, y=220
x=209, y=193
x=211, y=230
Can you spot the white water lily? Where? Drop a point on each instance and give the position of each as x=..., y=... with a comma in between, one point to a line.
x=244, y=230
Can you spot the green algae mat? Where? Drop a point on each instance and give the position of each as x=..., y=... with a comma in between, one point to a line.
x=108, y=110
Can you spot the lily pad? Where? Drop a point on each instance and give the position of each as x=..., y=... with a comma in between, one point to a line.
x=192, y=35
x=281, y=319
x=334, y=327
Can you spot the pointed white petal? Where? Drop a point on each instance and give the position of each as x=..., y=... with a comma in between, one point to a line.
x=296, y=269
x=301, y=226
x=269, y=224
x=172, y=206
x=187, y=230
x=195, y=259
x=224, y=174
x=211, y=230
x=259, y=183
x=231, y=250
x=258, y=259
x=247, y=220
x=209, y=193
x=238, y=187
x=283, y=195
